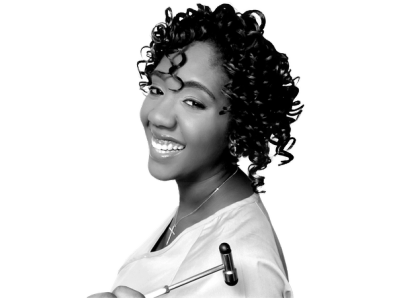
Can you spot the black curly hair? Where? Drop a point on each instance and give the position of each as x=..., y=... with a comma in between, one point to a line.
x=260, y=89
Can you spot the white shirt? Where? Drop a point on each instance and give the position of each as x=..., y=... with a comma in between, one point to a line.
x=257, y=256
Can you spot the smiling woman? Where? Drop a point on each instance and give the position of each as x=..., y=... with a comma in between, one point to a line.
x=190, y=115
x=217, y=90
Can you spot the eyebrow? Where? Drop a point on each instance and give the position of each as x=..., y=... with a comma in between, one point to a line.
x=187, y=84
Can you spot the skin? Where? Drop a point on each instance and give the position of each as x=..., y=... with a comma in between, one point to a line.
x=119, y=292
x=192, y=117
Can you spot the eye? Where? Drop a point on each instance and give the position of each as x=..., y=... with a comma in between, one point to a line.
x=197, y=104
x=150, y=88
x=194, y=105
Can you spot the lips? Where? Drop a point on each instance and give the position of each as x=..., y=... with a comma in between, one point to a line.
x=163, y=156
x=160, y=136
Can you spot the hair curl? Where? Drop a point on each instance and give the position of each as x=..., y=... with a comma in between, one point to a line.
x=260, y=89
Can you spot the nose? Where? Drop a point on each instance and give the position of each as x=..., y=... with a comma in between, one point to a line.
x=163, y=113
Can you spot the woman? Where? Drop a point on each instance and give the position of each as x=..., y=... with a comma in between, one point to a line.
x=217, y=91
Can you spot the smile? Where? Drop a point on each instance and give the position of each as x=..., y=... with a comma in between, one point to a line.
x=165, y=146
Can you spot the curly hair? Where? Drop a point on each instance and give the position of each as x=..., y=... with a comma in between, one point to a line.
x=260, y=89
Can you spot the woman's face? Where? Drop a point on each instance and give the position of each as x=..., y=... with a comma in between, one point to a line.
x=186, y=124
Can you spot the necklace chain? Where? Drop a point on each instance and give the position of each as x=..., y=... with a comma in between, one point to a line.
x=172, y=229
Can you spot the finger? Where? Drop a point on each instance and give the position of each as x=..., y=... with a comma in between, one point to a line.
x=103, y=295
x=126, y=292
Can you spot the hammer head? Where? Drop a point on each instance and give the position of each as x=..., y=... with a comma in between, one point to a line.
x=229, y=272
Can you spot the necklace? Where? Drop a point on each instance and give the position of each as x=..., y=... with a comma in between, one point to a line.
x=172, y=229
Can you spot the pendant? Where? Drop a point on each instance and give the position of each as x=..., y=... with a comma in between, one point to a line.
x=172, y=232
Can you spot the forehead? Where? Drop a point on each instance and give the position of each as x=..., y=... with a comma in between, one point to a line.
x=201, y=66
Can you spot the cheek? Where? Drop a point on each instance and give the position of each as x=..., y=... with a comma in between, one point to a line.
x=144, y=112
x=209, y=135
x=143, y=115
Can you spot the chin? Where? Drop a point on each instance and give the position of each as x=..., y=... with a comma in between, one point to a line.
x=159, y=172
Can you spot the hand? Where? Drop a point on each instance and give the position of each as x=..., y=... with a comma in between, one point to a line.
x=126, y=292
x=119, y=292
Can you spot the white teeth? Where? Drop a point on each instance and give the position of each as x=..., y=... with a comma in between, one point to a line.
x=164, y=146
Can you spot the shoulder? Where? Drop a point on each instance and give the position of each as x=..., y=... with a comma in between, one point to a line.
x=249, y=221
x=257, y=254
x=250, y=227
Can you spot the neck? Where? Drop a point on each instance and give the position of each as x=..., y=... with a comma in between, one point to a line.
x=193, y=193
